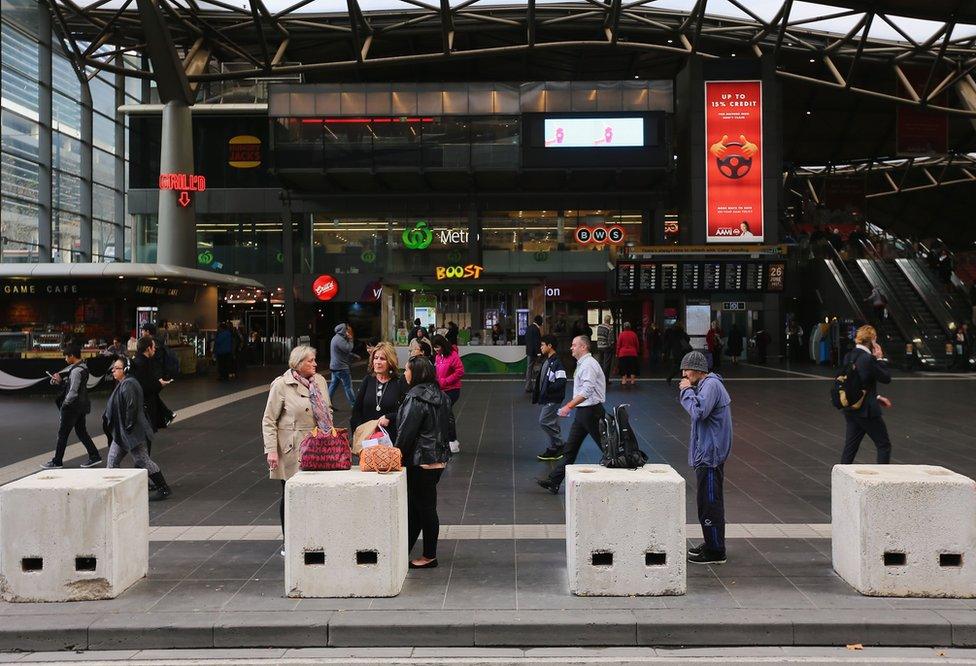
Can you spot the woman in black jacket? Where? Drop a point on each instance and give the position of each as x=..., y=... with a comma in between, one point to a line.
x=425, y=428
x=382, y=391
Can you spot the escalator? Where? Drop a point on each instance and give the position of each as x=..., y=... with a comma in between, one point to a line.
x=920, y=305
x=954, y=298
x=903, y=315
x=889, y=334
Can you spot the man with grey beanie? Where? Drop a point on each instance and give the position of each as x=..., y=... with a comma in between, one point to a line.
x=704, y=397
x=340, y=360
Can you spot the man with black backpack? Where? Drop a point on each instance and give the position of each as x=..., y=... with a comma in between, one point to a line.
x=856, y=393
x=705, y=399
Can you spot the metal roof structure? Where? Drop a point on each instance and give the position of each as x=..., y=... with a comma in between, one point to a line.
x=901, y=51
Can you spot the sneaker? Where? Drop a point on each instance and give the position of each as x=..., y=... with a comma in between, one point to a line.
x=550, y=454
x=696, y=550
x=548, y=485
x=50, y=464
x=455, y=446
x=282, y=550
x=92, y=462
x=706, y=557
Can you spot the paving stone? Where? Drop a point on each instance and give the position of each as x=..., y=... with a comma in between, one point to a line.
x=398, y=628
x=843, y=627
x=554, y=628
x=714, y=627
x=224, y=653
x=152, y=630
x=45, y=632
x=345, y=653
x=963, y=627
x=268, y=629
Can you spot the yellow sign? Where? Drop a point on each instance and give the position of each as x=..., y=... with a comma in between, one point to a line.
x=469, y=272
x=244, y=152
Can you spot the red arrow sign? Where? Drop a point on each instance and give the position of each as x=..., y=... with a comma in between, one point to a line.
x=184, y=198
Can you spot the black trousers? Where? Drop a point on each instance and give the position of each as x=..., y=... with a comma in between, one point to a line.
x=711, y=506
x=225, y=365
x=73, y=420
x=587, y=422
x=281, y=509
x=422, y=508
x=857, y=428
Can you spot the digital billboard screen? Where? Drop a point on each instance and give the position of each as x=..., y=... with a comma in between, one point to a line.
x=607, y=132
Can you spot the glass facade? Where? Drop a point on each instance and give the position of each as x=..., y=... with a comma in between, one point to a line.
x=62, y=168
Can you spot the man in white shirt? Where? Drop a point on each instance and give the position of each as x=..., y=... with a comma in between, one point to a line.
x=589, y=394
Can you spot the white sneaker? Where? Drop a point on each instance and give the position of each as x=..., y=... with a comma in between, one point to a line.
x=455, y=446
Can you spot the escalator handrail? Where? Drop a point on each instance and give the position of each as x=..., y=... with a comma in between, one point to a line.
x=856, y=304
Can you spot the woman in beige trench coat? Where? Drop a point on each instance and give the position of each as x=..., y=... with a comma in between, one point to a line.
x=297, y=402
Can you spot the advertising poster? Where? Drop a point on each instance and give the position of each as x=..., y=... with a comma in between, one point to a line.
x=594, y=132
x=734, y=164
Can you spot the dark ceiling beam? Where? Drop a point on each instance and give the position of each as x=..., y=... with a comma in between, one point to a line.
x=258, y=21
x=447, y=26
x=171, y=81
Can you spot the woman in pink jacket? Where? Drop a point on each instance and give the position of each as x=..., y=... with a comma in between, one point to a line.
x=447, y=362
x=628, y=348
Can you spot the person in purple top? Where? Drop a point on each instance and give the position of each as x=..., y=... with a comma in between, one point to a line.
x=704, y=397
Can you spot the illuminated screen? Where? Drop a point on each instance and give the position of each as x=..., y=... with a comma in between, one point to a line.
x=594, y=132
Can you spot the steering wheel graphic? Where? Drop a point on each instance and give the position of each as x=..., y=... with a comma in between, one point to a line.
x=734, y=164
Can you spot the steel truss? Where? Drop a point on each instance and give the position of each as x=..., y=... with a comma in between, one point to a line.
x=925, y=71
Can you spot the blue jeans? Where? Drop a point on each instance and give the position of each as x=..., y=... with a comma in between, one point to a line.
x=346, y=378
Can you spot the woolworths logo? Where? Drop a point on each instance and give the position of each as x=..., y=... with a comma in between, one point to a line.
x=419, y=237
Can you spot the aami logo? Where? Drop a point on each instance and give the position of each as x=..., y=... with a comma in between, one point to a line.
x=725, y=231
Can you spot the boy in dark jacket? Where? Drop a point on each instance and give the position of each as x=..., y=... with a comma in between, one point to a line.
x=550, y=392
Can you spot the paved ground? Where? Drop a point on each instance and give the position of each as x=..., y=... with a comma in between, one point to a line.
x=216, y=578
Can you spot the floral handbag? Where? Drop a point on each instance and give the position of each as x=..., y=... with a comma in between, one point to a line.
x=325, y=450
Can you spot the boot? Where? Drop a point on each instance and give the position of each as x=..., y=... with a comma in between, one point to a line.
x=162, y=490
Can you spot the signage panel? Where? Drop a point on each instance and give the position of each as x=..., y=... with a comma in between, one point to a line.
x=626, y=278
x=325, y=287
x=733, y=161
x=594, y=132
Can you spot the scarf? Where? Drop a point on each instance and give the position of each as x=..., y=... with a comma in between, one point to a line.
x=322, y=417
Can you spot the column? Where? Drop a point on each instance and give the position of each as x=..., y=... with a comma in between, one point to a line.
x=120, y=139
x=176, y=242
x=85, y=250
x=288, y=267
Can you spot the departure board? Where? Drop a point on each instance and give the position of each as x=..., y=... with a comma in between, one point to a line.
x=626, y=278
x=734, y=279
x=755, y=276
x=711, y=276
x=690, y=276
x=775, y=276
x=648, y=277
x=669, y=277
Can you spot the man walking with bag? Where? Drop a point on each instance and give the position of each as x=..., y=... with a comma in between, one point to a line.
x=872, y=368
x=589, y=394
x=704, y=397
x=550, y=391
x=74, y=406
x=533, y=336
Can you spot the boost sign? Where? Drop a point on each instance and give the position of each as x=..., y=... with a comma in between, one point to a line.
x=325, y=287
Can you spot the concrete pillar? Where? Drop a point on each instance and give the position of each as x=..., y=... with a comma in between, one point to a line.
x=177, y=234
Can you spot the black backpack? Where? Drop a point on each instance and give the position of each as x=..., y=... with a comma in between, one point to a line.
x=848, y=391
x=618, y=441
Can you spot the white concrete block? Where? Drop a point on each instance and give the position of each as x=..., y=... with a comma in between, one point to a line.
x=73, y=534
x=904, y=530
x=345, y=534
x=625, y=531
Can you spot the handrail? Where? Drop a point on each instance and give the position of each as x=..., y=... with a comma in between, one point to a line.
x=923, y=285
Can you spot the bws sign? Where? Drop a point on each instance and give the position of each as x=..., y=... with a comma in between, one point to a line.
x=601, y=235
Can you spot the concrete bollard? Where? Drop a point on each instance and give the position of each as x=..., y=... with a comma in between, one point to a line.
x=625, y=531
x=904, y=530
x=73, y=535
x=345, y=534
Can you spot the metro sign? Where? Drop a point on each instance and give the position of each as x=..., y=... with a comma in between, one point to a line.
x=184, y=183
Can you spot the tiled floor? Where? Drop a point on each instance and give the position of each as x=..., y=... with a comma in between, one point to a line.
x=215, y=542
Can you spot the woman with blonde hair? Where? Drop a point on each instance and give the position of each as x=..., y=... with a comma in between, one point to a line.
x=297, y=403
x=381, y=392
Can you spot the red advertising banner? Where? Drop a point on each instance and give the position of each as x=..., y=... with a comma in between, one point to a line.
x=920, y=131
x=733, y=159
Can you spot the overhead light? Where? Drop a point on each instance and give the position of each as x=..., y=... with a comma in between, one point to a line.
x=809, y=112
x=413, y=291
x=733, y=54
x=813, y=60
x=670, y=41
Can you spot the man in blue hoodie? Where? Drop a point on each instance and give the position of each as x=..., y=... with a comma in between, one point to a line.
x=550, y=392
x=705, y=399
x=340, y=360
